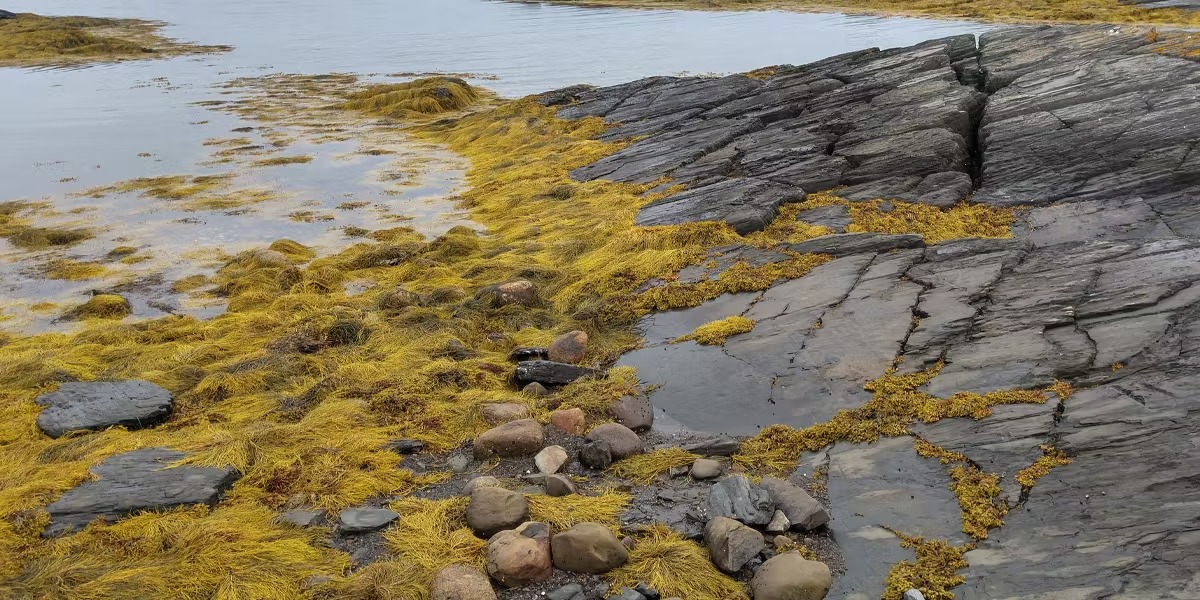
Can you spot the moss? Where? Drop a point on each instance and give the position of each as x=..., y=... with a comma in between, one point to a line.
x=73, y=270
x=428, y=96
x=643, y=469
x=1051, y=457
x=715, y=333
x=31, y=39
x=33, y=238
x=564, y=511
x=674, y=566
x=282, y=160
x=934, y=573
x=294, y=250
x=101, y=306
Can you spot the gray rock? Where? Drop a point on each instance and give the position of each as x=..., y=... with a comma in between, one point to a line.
x=747, y=205
x=588, y=548
x=550, y=373
x=732, y=544
x=621, y=440
x=634, y=412
x=361, y=520
x=459, y=463
x=943, y=189
x=302, y=518
x=494, y=509
x=844, y=244
x=461, y=582
x=779, y=523
x=137, y=481
x=406, y=446
x=648, y=592
x=86, y=405
x=802, y=510
x=913, y=594
x=571, y=591
x=720, y=446
x=479, y=482
x=596, y=455
x=735, y=497
x=4, y=14
x=834, y=216
x=559, y=485
x=627, y=594
x=706, y=468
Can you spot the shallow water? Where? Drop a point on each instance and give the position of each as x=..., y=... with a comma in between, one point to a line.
x=66, y=130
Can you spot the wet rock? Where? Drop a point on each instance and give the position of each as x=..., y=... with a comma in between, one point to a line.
x=137, y=481
x=596, y=455
x=406, y=446
x=802, y=510
x=479, y=482
x=550, y=373
x=85, y=405
x=845, y=244
x=736, y=498
x=731, y=543
x=746, y=204
x=551, y=459
x=621, y=440
x=494, y=509
x=779, y=523
x=361, y=520
x=460, y=582
x=571, y=421
x=519, y=292
x=835, y=217
x=520, y=556
x=571, y=591
x=520, y=354
x=510, y=440
x=569, y=347
x=706, y=468
x=536, y=389
x=720, y=446
x=790, y=576
x=943, y=189
x=559, y=485
x=588, y=548
x=534, y=478
x=634, y=412
x=498, y=413
x=302, y=518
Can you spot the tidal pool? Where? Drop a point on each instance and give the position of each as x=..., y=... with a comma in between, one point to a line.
x=66, y=131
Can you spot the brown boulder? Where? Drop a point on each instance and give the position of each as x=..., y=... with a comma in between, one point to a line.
x=510, y=440
x=498, y=413
x=494, y=509
x=790, y=576
x=520, y=556
x=571, y=420
x=622, y=441
x=460, y=582
x=634, y=412
x=569, y=347
x=588, y=548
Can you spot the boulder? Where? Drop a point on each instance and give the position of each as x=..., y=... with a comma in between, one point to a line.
x=648, y=592
x=551, y=459
x=705, y=468
x=735, y=497
x=790, y=576
x=559, y=485
x=479, y=482
x=510, y=440
x=494, y=509
x=802, y=510
x=732, y=544
x=361, y=520
x=588, y=548
x=634, y=412
x=571, y=421
x=527, y=353
x=621, y=440
x=461, y=582
x=520, y=556
x=137, y=481
x=569, y=347
x=520, y=292
x=550, y=373
x=943, y=189
x=84, y=405
x=499, y=413
x=596, y=455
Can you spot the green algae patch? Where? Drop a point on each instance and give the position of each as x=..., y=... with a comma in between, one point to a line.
x=716, y=332
x=30, y=40
x=421, y=97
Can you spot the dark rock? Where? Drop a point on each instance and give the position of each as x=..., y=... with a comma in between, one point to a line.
x=836, y=217
x=361, y=520
x=522, y=354
x=746, y=205
x=943, y=189
x=844, y=244
x=550, y=373
x=627, y=594
x=732, y=544
x=790, y=576
x=406, y=446
x=85, y=405
x=571, y=591
x=647, y=591
x=720, y=446
x=302, y=518
x=802, y=510
x=596, y=455
x=736, y=498
x=634, y=412
x=561, y=97
x=559, y=485
x=621, y=440
x=137, y=481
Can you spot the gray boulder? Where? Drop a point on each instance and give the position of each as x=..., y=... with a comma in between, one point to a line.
x=588, y=548
x=634, y=412
x=736, y=498
x=494, y=509
x=802, y=510
x=621, y=440
x=98, y=404
x=732, y=544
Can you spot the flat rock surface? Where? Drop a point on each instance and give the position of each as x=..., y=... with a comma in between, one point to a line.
x=136, y=481
x=98, y=404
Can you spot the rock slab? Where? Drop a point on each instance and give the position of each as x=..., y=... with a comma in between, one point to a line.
x=88, y=405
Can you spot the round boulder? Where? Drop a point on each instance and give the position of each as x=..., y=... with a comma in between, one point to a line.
x=569, y=420
x=504, y=412
x=634, y=412
x=510, y=440
x=622, y=441
x=569, y=347
x=520, y=556
x=732, y=544
x=596, y=455
x=790, y=576
x=460, y=582
x=494, y=509
x=479, y=482
x=588, y=548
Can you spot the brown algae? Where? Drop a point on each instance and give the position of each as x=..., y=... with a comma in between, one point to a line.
x=30, y=39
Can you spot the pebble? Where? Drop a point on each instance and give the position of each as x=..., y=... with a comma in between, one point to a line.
x=550, y=459
x=706, y=468
x=359, y=520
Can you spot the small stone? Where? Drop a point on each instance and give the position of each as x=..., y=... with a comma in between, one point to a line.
x=628, y=594
x=779, y=523
x=572, y=591
x=459, y=463
x=596, y=455
x=913, y=594
x=634, y=412
x=85, y=405
x=520, y=556
x=647, y=591
x=406, y=446
x=517, y=292
x=569, y=347
x=790, y=576
x=571, y=421
x=534, y=478
x=302, y=518
x=494, y=509
x=628, y=542
x=510, y=440
x=479, y=482
x=559, y=485
x=721, y=446
x=360, y=520
x=496, y=414
x=735, y=497
x=551, y=459
x=731, y=544
x=535, y=389
x=622, y=441
x=460, y=582
x=588, y=548
x=679, y=471
x=706, y=468
x=802, y=510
